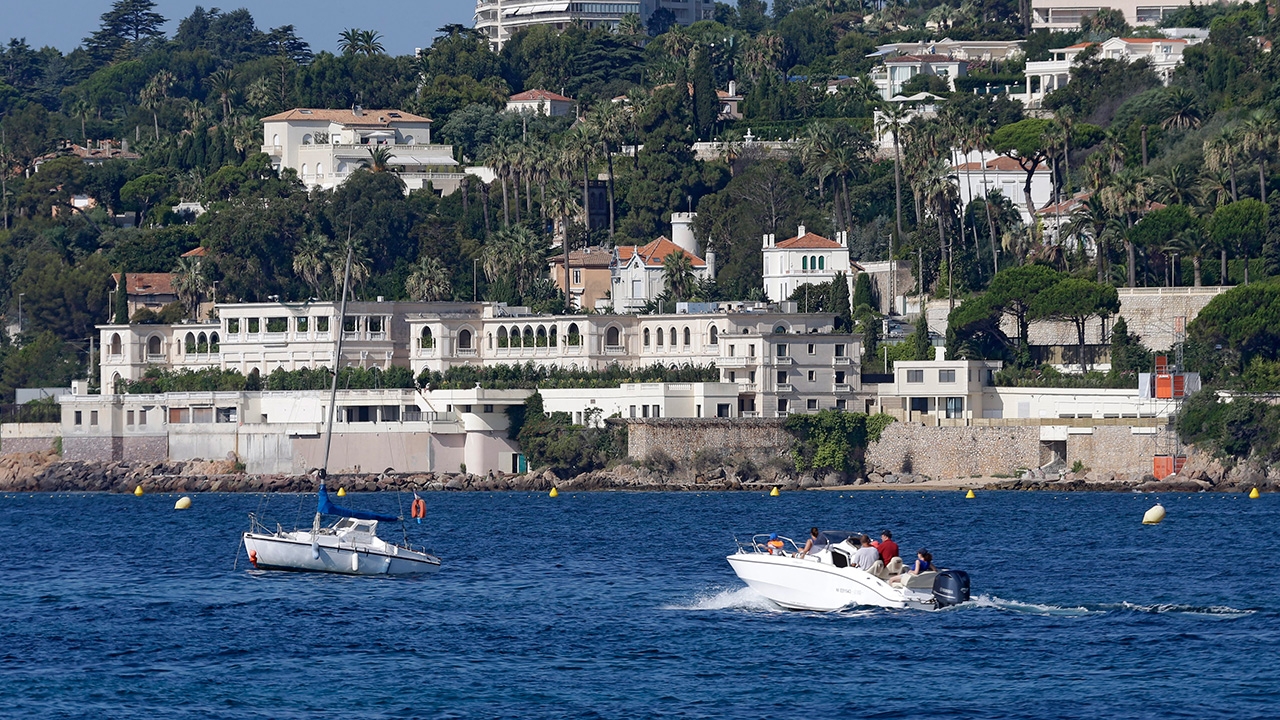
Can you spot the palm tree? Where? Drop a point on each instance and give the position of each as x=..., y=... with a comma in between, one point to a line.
x=1181, y=110
x=371, y=43
x=360, y=264
x=607, y=121
x=940, y=192
x=428, y=281
x=154, y=95
x=498, y=159
x=360, y=42
x=81, y=109
x=311, y=261
x=1258, y=136
x=677, y=272
x=1127, y=196
x=1191, y=243
x=191, y=283
x=1175, y=187
x=582, y=150
x=515, y=253
x=1091, y=220
x=561, y=204
x=197, y=115
x=892, y=119
x=223, y=84
x=379, y=159
x=630, y=27
x=1220, y=152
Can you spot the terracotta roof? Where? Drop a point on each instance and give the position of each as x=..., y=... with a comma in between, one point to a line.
x=1002, y=163
x=922, y=58
x=654, y=253
x=539, y=95
x=1077, y=46
x=346, y=116
x=809, y=241
x=592, y=257
x=100, y=153
x=147, y=283
x=197, y=252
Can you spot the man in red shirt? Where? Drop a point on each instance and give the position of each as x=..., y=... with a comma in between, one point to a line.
x=887, y=547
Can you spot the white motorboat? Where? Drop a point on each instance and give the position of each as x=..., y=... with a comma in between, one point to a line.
x=826, y=579
x=350, y=546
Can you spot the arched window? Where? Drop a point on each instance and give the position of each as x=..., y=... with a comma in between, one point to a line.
x=115, y=382
x=304, y=170
x=715, y=335
x=190, y=344
x=813, y=262
x=687, y=337
x=213, y=342
x=153, y=345
x=202, y=339
x=541, y=337
x=306, y=139
x=613, y=337
x=427, y=341
x=646, y=337
x=464, y=339
x=661, y=337
x=804, y=262
x=275, y=139
x=781, y=330
x=575, y=336
x=673, y=337
x=502, y=337
x=408, y=139
x=319, y=170
x=528, y=336
x=822, y=263
x=552, y=334
x=115, y=343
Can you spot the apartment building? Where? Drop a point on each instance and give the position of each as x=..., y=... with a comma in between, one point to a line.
x=500, y=19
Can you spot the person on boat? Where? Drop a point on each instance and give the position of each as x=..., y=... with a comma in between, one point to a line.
x=887, y=547
x=867, y=556
x=923, y=564
x=774, y=545
x=808, y=546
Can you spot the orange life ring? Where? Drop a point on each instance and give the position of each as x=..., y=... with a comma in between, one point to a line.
x=253, y=558
x=418, y=509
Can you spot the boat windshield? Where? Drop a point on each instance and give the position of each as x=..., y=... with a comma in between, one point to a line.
x=832, y=537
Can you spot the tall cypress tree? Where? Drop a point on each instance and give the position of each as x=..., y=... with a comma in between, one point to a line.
x=122, y=300
x=706, y=105
x=840, y=303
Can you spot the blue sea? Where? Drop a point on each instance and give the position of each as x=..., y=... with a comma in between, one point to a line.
x=621, y=605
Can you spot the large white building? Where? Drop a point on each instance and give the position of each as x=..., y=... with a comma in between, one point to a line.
x=636, y=271
x=500, y=19
x=806, y=259
x=325, y=146
x=1164, y=54
x=897, y=70
x=1067, y=14
x=981, y=173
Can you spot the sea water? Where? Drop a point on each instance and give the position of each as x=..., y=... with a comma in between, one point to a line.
x=621, y=605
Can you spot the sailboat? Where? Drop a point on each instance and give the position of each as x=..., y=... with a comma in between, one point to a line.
x=349, y=546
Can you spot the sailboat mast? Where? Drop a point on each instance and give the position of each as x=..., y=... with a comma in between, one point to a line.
x=337, y=360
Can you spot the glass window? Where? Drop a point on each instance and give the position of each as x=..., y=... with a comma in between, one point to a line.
x=813, y=375
x=253, y=325
x=812, y=404
x=839, y=349
x=782, y=377
x=782, y=405
x=79, y=418
x=93, y=417
x=782, y=350
x=839, y=377
x=813, y=348
x=301, y=324
x=946, y=376
x=955, y=407
x=915, y=376
x=322, y=324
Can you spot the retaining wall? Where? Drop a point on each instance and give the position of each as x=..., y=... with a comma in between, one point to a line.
x=28, y=437
x=683, y=438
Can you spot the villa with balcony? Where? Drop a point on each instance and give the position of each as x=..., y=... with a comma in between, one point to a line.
x=1164, y=55
x=325, y=146
x=806, y=259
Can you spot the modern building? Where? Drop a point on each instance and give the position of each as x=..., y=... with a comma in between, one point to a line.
x=1164, y=55
x=1067, y=14
x=325, y=146
x=897, y=70
x=589, y=276
x=500, y=19
x=806, y=259
x=972, y=50
x=541, y=102
x=637, y=275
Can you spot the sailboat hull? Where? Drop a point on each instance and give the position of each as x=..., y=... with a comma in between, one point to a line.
x=295, y=551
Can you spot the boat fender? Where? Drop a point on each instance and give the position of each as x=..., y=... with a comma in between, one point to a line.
x=951, y=587
x=355, y=562
x=418, y=510
x=253, y=558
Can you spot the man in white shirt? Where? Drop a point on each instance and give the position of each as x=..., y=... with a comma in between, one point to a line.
x=867, y=556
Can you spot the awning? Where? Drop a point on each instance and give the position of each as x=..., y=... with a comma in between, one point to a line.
x=380, y=134
x=420, y=158
x=539, y=8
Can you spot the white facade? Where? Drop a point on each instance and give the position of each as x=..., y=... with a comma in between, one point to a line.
x=325, y=146
x=643, y=400
x=1067, y=14
x=541, y=102
x=1164, y=54
x=500, y=19
x=985, y=50
x=636, y=271
x=806, y=259
x=982, y=172
x=896, y=71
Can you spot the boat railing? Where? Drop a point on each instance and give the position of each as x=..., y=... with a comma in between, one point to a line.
x=760, y=544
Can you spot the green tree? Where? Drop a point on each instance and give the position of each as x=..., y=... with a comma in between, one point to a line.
x=1076, y=300
x=677, y=273
x=1025, y=142
x=125, y=29
x=44, y=361
x=840, y=303
x=1013, y=291
x=706, y=104
x=144, y=191
x=1240, y=227
x=429, y=280
x=862, y=292
x=121, y=300
x=921, y=342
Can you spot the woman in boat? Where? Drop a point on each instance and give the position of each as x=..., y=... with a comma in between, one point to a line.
x=808, y=546
x=923, y=564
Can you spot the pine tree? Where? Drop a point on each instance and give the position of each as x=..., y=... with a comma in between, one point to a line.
x=706, y=105
x=125, y=26
x=862, y=294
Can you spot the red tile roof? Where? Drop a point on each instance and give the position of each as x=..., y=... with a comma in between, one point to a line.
x=539, y=95
x=199, y=251
x=1002, y=163
x=147, y=283
x=810, y=241
x=654, y=253
x=592, y=257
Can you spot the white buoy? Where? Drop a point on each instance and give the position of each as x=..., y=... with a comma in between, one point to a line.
x=1154, y=515
x=184, y=503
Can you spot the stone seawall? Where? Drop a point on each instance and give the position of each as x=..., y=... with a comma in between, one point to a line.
x=954, y=452
x=682, y=439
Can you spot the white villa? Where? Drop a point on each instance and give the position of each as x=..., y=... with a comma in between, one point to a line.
x=896, y=71
x=541, y=102
x=980, y=173
x=636, y=271
x=1067, y=14
x=959, y=49
x=1164, y=54
x=326, y=146
x=806, y=259
x=500, y=19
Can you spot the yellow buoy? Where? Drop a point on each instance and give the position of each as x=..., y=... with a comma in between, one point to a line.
x=342, y=492
x=1154, y=515
x=554, y=493
x=969, y=495
x=774, y=492
x=184, y=503
x=138, y=491
x=1253, y=494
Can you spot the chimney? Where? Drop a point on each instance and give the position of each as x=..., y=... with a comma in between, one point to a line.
x=800, y=231
x=939, y=353
x=711, y=264
x=357, y=111
x=733, y=88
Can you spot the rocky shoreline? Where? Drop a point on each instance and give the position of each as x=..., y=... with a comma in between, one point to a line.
x=46, y=472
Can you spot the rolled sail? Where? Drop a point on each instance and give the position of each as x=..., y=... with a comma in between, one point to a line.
x=325, y=506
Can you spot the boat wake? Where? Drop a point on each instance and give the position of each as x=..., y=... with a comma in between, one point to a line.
x=1222, y=611
x=991, y=601
x=733, y=599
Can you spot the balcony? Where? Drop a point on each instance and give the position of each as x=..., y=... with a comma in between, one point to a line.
x=731, y=362
x=614, y=350
x=784, y=360
x=786, y=387
x=842, y=361
x=843, y=388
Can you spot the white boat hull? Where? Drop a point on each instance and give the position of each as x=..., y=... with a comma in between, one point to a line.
x=810, y=584
x=295, y=551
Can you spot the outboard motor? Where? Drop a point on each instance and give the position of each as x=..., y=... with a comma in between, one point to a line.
x=951, y=587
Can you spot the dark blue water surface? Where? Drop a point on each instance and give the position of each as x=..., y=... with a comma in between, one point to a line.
x=621, y=605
